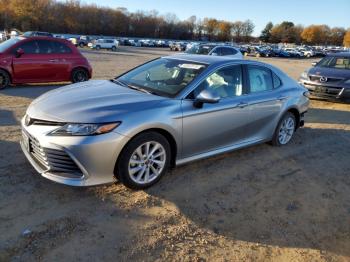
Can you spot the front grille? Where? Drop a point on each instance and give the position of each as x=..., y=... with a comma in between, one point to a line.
x=53, y=160
x=325, y=91
x=329, y=79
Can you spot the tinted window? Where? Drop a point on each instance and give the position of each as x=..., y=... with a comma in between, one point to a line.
x=218, y=51
x=260, y=79
x=226, y=82
x=228, y=51
x=30, y=47
x=276, y=81
x=45, y=47
x=60, y=48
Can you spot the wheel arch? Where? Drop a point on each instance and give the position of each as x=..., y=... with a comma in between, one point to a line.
x=168, y=136
x=296, y=114
x=8, y=72
x=80, y=67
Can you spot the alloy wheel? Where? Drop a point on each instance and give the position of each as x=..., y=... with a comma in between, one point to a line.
x=286, y=130
x=147, y=162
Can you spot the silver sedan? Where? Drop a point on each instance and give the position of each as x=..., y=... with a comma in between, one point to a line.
x=164, y=113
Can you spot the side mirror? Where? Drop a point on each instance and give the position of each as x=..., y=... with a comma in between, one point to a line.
x=314, y=63
x=206, y=96
x=19, y=52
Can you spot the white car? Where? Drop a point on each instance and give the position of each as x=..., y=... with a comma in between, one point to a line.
x=307, y=52
x=110, y=44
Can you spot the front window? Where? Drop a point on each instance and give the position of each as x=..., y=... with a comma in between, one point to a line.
x=165, y=77
x=225, y=82
x=8, y=43
x=335, y=62
x=199, y=50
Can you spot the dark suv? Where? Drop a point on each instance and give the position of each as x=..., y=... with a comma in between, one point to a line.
x=330, y=77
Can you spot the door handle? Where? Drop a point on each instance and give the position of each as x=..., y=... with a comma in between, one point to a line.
x=242, y=105
x=281, y=98
x=53, y=60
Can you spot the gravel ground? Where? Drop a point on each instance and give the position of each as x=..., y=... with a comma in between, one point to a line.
x=261, y=203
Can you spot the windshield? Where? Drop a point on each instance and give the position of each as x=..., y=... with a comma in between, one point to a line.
x=164, y=77
x=8, y=43
x=199, y=49
x=335, y=62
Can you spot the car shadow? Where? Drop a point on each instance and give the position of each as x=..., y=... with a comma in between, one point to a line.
x=7, y=118
x=294, y=196
x=29, y=91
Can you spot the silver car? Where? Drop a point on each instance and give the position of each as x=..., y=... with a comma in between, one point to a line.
x=164, y=113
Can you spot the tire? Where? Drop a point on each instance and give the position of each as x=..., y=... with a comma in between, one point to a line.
x=133, y=166
x=81, y=45
x=5, y=79
x=98, y=47
x=114, y=48
x=79, y=75
x=281, y=129
x=308, y=55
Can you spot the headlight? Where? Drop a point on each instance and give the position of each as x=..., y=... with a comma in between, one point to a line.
x=84, y=129
x=304, y=75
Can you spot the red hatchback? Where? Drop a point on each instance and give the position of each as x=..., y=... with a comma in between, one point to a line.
x=41, y=60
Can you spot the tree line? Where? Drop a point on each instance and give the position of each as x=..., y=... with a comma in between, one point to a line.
x=73, y=17
x=76, y=18
x=287, y=32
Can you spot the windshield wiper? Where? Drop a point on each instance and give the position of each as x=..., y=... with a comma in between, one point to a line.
x=116, y=81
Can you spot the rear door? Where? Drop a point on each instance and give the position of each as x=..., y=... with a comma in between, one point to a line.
x=265, y=99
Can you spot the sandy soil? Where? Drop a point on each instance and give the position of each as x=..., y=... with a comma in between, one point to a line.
x=257, y=204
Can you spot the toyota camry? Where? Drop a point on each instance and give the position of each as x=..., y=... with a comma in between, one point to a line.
x=167, y=112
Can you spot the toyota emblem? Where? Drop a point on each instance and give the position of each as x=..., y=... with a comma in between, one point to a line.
x=323, y=79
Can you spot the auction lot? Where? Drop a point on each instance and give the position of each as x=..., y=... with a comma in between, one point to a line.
x=261, y=203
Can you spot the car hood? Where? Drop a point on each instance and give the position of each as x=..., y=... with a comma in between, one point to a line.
x=95, y=101
x=329, y=72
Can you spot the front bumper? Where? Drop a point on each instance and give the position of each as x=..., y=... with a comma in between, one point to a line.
x=72, y=160
x=326, y=90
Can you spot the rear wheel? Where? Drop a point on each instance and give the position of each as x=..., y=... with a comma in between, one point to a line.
x=81, y=45
x=144, y=160
x=98, y=47
x=285, y=130
x=5, y=80
x=114, y=48
x=79, y=75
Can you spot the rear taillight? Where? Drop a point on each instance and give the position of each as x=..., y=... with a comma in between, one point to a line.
x=306, y=94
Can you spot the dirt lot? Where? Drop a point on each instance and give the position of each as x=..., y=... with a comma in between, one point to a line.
x=257, y=204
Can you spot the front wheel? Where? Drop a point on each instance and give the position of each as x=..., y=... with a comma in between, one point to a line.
x=5, y=80
x=79, y=75
x=144, y=160
x=114, y=48
x=285, y=130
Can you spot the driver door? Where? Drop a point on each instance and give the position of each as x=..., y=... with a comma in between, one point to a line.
x=216, y=126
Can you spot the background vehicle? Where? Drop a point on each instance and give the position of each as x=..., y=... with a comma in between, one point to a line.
x=41, y=60
x=215, y=50
x=178, y=46
x=294, y=52
x=330, y=77
x=37, y=33
x=167, y=112
x=110, y=44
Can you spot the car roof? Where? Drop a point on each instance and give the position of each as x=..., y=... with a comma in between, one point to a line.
x=212, y=60
x=340, y=54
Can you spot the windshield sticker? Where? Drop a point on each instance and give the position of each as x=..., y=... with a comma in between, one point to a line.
x=191, y=66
